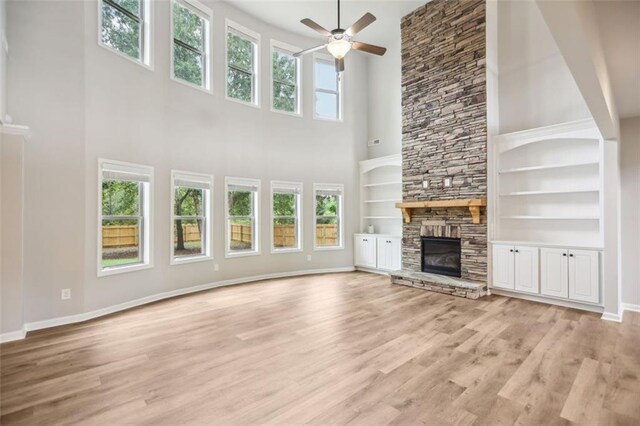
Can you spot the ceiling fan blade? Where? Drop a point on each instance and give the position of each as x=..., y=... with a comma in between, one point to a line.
x=369, y=48
x=315, y=26
x=366, y=20
x=339, y=65
x=311, y=49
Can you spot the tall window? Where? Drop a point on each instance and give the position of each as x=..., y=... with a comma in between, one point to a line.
x=285, y=78
x=242, y=207
x=190, y=29
x=242, y=64
x=124, y=217
x=286, y=214
x=327, y=87
x=191, y=212
x=125, y=27
x=328, y=230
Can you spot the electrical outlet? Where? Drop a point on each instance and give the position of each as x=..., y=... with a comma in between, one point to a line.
x=216, y=267
x=65, y=294
x=447, y=182
x=425, y=184
x=373, y=142
x=308, y=258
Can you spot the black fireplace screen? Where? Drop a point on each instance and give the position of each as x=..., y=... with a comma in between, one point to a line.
x=441, y=256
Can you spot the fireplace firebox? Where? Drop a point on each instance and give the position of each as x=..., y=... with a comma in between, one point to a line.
x=441, y=256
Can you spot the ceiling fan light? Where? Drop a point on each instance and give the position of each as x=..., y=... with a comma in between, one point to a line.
x=339, y=48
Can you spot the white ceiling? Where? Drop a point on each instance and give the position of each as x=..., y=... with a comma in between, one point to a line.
x=287, y=14
x=619, y=25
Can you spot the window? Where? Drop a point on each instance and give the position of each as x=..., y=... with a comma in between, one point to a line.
x=190, y=31
x=125, y=28
x=286, y=226
x=327, y=87
x=242, y=207
x=191, y=217
x=124, y=217
x=242, y=64
x=285, y=79
x=328, y=222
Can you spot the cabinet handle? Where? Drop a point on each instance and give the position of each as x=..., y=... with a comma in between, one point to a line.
x=564, y=254
x=517, y=251
x=571, y=255
x=511, y=250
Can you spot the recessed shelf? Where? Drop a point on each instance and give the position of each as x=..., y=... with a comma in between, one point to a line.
x=551, y=217
x=370, y=185
x=383, y=217
x=548, y=167
x=549, y=192
x=382, y=201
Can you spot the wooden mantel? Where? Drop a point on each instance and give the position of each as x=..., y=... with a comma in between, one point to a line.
x=473, y=204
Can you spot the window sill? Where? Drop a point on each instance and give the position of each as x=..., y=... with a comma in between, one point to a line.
x=286, y=250
x=123, y=269
x=148, y=67
x=290, y=114
x=231, y=255
x=331, y=120
x=190, y=259
x=191, y=85
x=238, y=101
x=328, y=248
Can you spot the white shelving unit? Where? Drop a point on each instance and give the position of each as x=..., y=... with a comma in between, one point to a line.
x=380, y=190
x=548, y=185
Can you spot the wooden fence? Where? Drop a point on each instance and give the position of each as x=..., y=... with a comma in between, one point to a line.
x=283, y=235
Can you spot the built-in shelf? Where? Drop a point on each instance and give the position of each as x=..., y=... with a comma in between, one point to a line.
x=370, y=185
x=383, y=217
x=548, y=167
x=545, y=244
x=551, y=217
x=381, y=201
x=549, y=192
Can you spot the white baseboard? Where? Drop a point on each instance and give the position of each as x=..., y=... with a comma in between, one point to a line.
x=631, y=307
x=550, y=301
x=372, y=270
x=12, y=335
x=610, y=316
x=71, y=319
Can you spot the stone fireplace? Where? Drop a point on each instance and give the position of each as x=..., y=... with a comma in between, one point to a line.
x=444, y=146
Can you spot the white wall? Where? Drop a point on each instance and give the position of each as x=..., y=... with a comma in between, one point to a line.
x=536, y=87
x=630, y=206
x=3, y=60
x=385, y=101
x=83, y=102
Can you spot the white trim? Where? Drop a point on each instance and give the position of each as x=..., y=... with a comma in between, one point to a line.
x=12, y=335
x=630, y=307
x=147, y=262
x=249, y=34
x=15, y=129
x=256, y=214
x=608, y=316
x=71, y=319
x=147, y=27
x=208, y=204
x=372, y=270
x=547, y=300
x=340, y=77
x=299, y=201
x=207, y=14
x=274, y=44
x=340, y=187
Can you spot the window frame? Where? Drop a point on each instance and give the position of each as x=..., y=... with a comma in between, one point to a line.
x=287, y=49
x=340, y=83
x=207, y=14
x=146, y=34
x=146, y=238
x=254, y=37
x=332, y=187
x=207, y=204
x=297, y=186
x=228, y=181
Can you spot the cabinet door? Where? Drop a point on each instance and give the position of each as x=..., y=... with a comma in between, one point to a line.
x=584, y=276
x=526, y=269
x=503, y=267
x=389, y=254
x=365, y=251
x=395, y=245
x=554, y=267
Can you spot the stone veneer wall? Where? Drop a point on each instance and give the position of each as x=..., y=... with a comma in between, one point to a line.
x=444, y=129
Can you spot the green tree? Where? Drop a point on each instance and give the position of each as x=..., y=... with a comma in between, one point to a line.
x=240, y=60
x=188, y=202
x=120, y=198
x=188, y=32
x=122, y=31
x=284, y=81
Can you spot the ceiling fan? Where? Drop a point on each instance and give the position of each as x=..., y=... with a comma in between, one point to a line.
x=340, y=41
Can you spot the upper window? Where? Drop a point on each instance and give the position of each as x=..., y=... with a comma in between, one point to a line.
x=242, y=64
x=328, y=230
x=191, y=47
x=191, y=213
x=286, y=214
x=327, y=87
x=285, y=79
x=124, y=217
x=125, y=28
x=242, y=207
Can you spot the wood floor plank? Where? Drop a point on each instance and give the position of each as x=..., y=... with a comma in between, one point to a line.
x=346, y=348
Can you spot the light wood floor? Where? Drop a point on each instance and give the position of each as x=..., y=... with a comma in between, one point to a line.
x=328, y=349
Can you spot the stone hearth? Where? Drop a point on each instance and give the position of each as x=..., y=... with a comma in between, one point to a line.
x=440, y=284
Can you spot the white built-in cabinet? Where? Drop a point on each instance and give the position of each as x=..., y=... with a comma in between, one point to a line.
x=381, y=252
x=572, y=274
